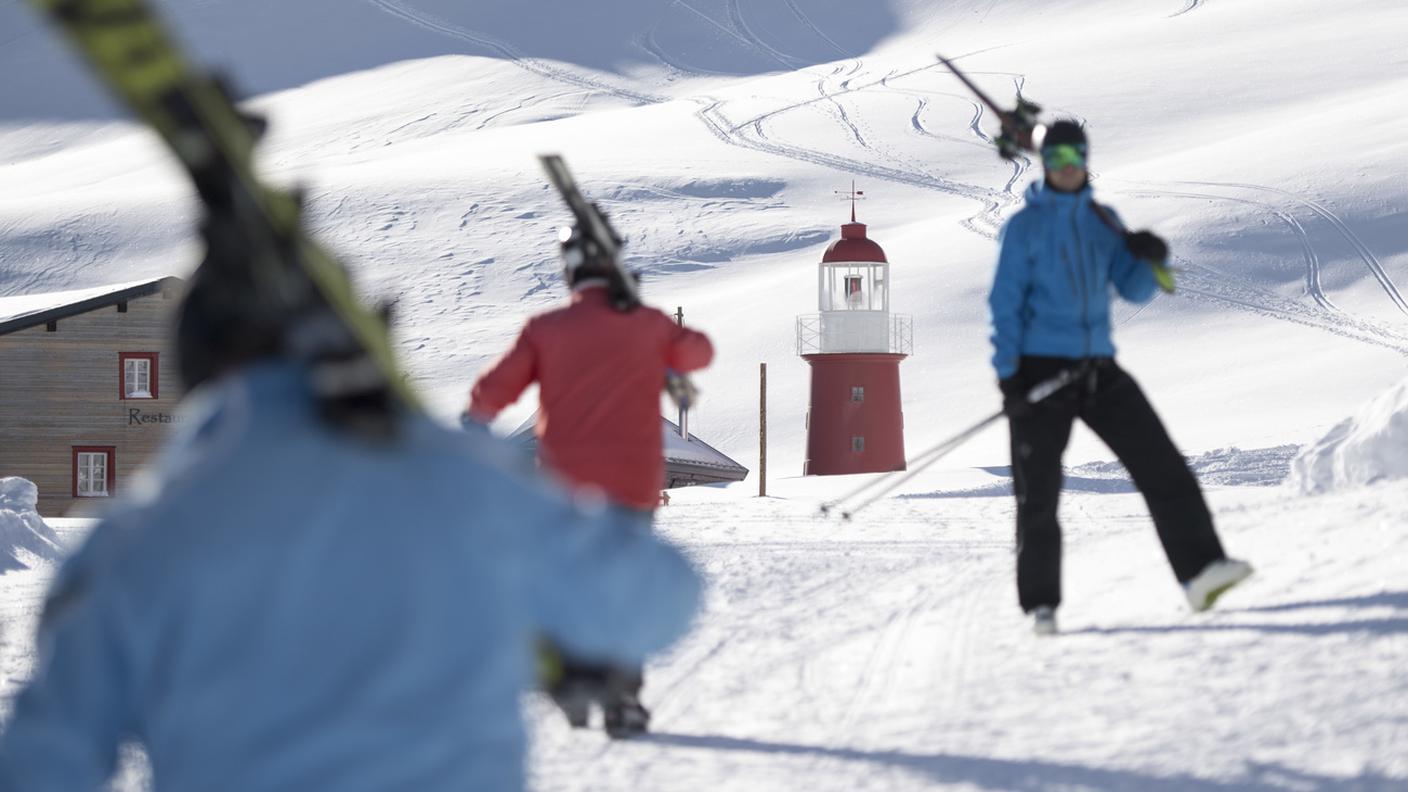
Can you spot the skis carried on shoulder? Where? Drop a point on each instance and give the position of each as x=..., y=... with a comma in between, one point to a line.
x=600, y=241
x=1022, y=131
x=294, y=281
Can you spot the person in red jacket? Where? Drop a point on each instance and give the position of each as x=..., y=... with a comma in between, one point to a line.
x=599, y=369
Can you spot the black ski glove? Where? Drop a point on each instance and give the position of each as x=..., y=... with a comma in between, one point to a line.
x=1146, y=245
x=1014, y=398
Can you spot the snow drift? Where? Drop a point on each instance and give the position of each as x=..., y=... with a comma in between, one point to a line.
x=24, y=536
x=1369, y=446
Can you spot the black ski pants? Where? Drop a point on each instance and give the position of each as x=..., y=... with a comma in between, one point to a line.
x=1110, y=402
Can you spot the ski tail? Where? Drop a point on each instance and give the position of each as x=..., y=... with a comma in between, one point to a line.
x=596, y=232
x=1020, y=128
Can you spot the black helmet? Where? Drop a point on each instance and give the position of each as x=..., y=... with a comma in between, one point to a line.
x=582, y=256
x=1063, y=131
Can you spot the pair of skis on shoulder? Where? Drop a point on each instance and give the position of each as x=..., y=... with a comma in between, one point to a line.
x=1021, y=131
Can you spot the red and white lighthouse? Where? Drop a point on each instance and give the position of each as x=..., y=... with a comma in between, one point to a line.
x=854, y=345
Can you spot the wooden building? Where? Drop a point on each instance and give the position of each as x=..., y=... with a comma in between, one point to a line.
x=88, y=388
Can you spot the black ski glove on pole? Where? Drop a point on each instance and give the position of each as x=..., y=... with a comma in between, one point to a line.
x=1153, y=250
x=1014, y=398
x=1147, y=245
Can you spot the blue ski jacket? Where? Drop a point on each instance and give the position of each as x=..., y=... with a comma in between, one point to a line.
x=1051, y=294
x=280, y=608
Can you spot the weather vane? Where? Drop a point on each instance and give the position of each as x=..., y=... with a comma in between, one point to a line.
x=852, y=196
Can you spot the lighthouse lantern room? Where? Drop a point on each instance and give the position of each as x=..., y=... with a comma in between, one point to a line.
x=854, y=346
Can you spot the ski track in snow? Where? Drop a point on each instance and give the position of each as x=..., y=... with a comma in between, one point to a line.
x=1208, y=284
x=1371, y=261
x=1191, y=5
x=751, y=133
x=1204, y=283
x=422, y=19
x=735, y=15
x=810, y=25
x=1312, y=258
x=866, y=662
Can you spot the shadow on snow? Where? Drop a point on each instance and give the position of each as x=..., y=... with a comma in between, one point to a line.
x=273, y=45
x=1008, y=774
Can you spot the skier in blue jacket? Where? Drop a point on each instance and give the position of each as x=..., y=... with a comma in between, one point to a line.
x=1061, y=256
x=286, y=604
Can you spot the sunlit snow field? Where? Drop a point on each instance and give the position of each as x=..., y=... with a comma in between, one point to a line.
x=1264, y=138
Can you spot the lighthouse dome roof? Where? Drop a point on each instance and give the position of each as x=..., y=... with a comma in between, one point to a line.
x=854, y=246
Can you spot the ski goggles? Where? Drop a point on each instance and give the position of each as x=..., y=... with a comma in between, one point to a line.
x=1062, y=154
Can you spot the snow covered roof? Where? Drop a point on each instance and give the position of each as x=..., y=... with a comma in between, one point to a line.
x=27, y=310
x=687, y=462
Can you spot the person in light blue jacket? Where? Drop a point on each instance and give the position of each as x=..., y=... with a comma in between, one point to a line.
x=1062, y=255
x=283, y=606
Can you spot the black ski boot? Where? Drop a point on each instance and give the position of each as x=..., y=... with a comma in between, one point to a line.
x=625, y=717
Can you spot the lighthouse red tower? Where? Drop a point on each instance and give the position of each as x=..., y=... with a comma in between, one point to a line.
x=855, y=423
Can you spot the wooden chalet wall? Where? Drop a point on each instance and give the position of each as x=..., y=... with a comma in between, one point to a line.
x=61, y=389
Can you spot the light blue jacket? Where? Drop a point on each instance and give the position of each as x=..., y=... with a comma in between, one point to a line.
x=1051, y=294
x=283, y=609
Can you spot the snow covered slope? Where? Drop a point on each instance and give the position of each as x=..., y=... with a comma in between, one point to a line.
x=1264, y=138
x=716, y=133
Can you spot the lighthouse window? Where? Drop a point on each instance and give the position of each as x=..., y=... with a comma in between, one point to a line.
x=857, y=444
x=853, y=290
x=857, y=393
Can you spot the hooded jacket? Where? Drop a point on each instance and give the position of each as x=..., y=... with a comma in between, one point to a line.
x=1057, y=264
x=283, y=609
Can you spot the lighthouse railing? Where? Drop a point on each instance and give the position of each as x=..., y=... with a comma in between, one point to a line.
x=809, y=334
x=842, y=332
x=902, y=334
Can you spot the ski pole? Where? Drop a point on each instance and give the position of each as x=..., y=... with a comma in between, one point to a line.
x=922, y=461
x=919, y=459
x=934, y=455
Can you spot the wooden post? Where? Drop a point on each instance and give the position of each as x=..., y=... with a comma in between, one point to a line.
x=762, y=430
x=683, y=413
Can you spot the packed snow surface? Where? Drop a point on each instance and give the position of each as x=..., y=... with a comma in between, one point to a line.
x=1263, y=138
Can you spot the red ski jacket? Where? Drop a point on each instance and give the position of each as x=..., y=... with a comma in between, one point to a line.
x=599, y=373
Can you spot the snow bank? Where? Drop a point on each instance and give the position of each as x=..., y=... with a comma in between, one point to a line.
x=1369, y=446
x=23, y=535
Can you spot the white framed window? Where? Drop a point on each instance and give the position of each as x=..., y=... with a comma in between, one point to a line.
x=855, y=294
x=857, y=393
x=138, y=375
x=93, y=471
x=857, y=445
